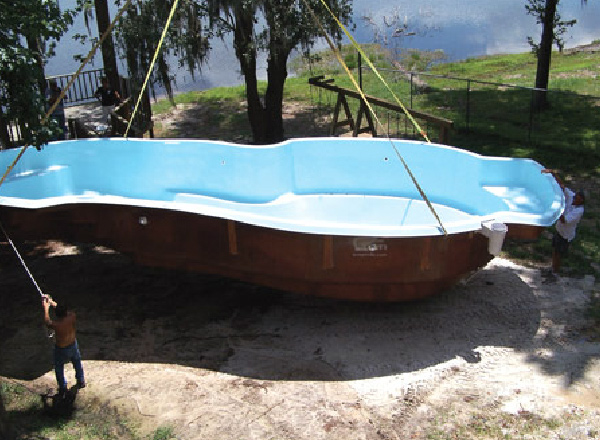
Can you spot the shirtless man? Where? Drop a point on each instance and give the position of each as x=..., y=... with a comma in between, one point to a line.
x=66, y=348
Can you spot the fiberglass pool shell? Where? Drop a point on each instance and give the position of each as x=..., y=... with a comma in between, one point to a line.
x=328, y=216
x=326, y=186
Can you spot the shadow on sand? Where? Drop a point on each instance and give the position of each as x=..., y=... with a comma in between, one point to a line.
x=134, y=314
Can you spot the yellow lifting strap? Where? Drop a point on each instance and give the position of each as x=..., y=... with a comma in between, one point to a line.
x=90, y=55
x=156, y=52
x=374, y=69
x=364, y=98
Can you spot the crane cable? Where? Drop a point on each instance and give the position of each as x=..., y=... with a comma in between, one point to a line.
x=22, y=261
x=49, y=332
x=365, y=100
x=156, y=52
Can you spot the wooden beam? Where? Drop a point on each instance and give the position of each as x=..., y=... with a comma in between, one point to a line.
x=444, y=125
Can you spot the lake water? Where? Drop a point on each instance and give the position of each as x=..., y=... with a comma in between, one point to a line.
x=461, y=28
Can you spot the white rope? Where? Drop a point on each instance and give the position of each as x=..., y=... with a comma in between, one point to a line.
x=22, y=261
x=49, y=332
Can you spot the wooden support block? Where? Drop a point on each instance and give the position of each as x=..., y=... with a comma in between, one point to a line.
x=328, y=262
x=444, y=135
x=233, y=247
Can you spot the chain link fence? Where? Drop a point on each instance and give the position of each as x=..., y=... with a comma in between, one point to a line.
x=502, y=110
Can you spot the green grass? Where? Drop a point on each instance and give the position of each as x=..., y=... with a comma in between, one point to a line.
x=90, y=420
x=163, y=433
x=493, y=424
x=498, y=115
x=211, y=96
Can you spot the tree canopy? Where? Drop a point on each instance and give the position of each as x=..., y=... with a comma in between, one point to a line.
x=276, y=27
x=138, y=35
x=28, y=32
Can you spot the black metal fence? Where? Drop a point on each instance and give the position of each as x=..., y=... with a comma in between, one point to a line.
x=503, y=110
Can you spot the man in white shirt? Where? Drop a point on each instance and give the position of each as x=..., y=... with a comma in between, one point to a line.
x=566, y=226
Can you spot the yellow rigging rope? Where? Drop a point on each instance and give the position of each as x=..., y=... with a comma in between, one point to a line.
x=156, y=52
x=374, y=69
x=334, y=49
x=364, y=99
x=90, y=55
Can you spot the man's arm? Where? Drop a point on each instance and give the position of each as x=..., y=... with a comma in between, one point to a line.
x=46, y=303
x=555, y=175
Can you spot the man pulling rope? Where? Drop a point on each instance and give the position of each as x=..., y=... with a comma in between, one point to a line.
x=66, y=348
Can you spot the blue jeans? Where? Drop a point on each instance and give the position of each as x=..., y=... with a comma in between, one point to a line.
x=63, y=356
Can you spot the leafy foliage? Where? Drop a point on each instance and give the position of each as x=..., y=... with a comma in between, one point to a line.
x=537, y=8
x=276, y=27
x=138, y=36
x=28, y=32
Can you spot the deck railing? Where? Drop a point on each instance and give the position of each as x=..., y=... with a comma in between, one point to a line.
x=82, y=91
x=83, y=88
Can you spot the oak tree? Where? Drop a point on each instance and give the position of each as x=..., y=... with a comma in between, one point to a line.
x=275, y=27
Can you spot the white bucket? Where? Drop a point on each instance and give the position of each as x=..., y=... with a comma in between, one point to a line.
x=495, y=231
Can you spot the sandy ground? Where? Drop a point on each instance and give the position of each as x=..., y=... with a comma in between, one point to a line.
x=219, y=359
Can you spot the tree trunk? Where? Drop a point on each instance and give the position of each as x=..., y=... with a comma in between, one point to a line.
x=266, y=119
x=246, y=54
x=109, y=58
x=544, y=56
x=130, y=51
x=163, y=71
x=280, y=44
x=276, y=75
x=4, y=133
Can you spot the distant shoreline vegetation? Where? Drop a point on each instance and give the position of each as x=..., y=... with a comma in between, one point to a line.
x=572, y=70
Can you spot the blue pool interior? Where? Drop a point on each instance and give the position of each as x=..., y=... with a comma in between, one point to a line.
x=338, y=186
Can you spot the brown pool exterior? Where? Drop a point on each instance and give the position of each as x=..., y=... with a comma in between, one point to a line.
x=376, y=269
